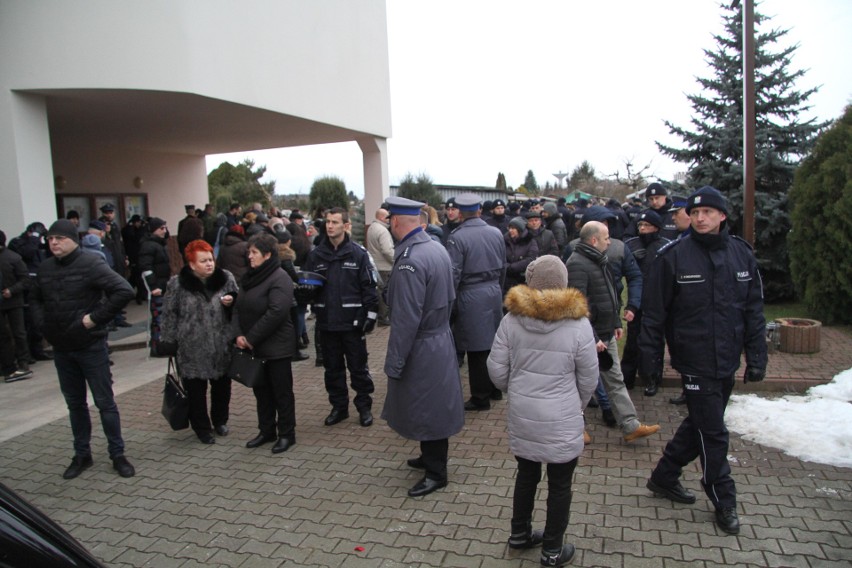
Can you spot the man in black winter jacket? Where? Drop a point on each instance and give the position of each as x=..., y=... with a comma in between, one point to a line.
x=155, y=269
x=347, y=309
x=704, y=298
x=76, y=295
x=14, y=352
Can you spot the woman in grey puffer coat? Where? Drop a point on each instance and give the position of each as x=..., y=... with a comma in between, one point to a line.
x=544, y=356
x=196, y=317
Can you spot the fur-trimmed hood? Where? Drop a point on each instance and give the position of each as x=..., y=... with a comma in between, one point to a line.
x=546, y=305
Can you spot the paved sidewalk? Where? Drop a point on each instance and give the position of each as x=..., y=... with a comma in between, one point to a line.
x=343, y=489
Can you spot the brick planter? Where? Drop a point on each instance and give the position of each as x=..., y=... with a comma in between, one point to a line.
x=798, y=335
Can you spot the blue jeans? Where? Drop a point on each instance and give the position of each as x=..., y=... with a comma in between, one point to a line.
x=600, y=395
x=89, y=366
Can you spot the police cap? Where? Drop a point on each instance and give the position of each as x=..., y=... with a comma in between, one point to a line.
x=403, y=206
x=468, y=202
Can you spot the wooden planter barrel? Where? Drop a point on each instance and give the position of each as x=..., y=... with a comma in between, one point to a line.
x=798, y=335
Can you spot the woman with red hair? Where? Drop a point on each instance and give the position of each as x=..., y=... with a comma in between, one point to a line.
x=196, y=319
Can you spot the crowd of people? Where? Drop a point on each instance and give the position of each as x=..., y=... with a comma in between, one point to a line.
x=531, y=296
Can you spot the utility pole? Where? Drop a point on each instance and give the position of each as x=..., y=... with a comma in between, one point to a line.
x=749, y=121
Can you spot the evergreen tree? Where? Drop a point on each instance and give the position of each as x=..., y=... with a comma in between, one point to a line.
x=328, y=192
x=530, y=184
x=420, y=189
x=238, y=184
x=821, y=239
x=501, y=182
x=714, y=146
x=582, y=176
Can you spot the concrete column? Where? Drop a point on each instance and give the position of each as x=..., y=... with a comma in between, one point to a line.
x=26, y=168
x=376, y=182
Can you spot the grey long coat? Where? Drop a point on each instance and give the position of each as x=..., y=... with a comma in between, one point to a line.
x=544, y=356
x=478, y=253
x=194, y=318
x=424, y=398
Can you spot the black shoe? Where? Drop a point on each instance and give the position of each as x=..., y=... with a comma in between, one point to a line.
x=426, y=486
x=365, y=417
x=496, y=395
x=680, y=399
x=526, y=540
x=222, y=429
x=123, y=467
x=124, y=323
x=593, y=403
x=318, y=362
x=43, y=357
x=609, y=417
x=558, y=557
x=676, y=492
x=259, y=440
x=727, y=520
x=336, y=416
x=385, y=322
x=300, y=356
x=206, y=438
x=78, y=465
x=283, y=444
x=651, y=389
x=472, y=406
x=416, y=463
x=18, y=375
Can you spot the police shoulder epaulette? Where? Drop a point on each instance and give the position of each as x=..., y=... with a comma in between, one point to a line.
x=668, y=246
x=742, y=240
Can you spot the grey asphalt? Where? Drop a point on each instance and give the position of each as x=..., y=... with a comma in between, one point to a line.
x=338, y=498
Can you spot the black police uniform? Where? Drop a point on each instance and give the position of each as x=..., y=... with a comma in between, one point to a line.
x=343, y=307
x=704, y=297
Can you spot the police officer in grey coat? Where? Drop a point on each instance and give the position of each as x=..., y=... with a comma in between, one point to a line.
x=424, y=399
x=478, y=253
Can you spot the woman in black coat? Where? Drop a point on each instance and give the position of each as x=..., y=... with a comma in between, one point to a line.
x=264, y=326
x=521, y=250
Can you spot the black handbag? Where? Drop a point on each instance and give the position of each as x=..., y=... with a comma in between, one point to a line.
x=247, y=369
x=175, y=401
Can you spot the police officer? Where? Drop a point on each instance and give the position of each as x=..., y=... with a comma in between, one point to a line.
x=453, y=219
x=704, y=296
x=659, y=202
x=346, y=309
x=478, y=254
x=424, y=398
x=498, y=218
x=644, y=249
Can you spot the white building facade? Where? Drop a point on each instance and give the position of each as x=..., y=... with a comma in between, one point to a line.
x=120, y=101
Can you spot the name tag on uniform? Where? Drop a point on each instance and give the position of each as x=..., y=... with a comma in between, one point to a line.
x=690, y=278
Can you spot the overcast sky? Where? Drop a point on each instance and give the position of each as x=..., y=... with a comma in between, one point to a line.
x=481, y=87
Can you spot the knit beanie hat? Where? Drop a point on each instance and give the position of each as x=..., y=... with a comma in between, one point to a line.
x=650, y=216
x=707, y=197
x=519, y=223
x=64, y=228
x=155, y=223
x=547, y=272
x=550, y=208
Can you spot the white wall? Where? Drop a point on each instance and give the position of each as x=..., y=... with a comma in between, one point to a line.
x=325, y=60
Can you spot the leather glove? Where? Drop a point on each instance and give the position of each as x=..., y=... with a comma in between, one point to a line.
x=369, y=322
x=754, y=375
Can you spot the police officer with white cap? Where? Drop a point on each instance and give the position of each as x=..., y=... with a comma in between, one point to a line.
x=478, y=252
x=424, y=398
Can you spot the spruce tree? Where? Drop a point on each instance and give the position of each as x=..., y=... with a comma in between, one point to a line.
x=530, y=183
x=714, y=145
x=821, y=200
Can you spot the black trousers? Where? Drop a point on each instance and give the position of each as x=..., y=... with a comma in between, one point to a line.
x=435, y=454
x=560, y=476
x=703, y=435
x=630, y=357
x=343, y=350
x=481, y=386
x=13, y=336
x=276, y=404
x=220, y=402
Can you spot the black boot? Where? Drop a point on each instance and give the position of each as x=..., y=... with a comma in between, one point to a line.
x=653, y=382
